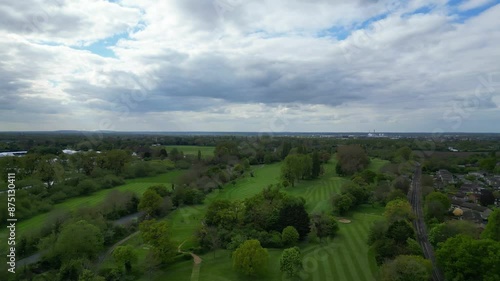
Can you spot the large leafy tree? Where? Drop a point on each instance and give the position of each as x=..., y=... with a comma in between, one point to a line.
x=325, y=225
x=351, y=159
x=291, y=262
x=250, y=258
x=79, y=240
x=150, y=202
x=414, y=268
x=224, y=213
x=293, y=213
x=157, y=234
x=342, y=203
x=125, y=256
x=462, y=258
x=448, y=229
x=399, y=209
x=436, y=205
x=492, y=230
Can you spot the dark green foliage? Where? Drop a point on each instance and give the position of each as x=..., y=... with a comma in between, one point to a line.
x=492, y=230
x=462, y=258
x=414, y=268
x=441, y=232
x=325, y=225
x=400, y=231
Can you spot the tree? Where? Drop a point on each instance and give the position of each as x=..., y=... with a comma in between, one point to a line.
x=88, y=275
x=326, y=225
x=436, y=205
x=293, y=213
x=462, y=258
x=150, y=202
x=402, y=184
x=79, y=240
x=414, y=268
x=250, y=258
x=377, y=230
x=125, y=256
x=289, y=236
x=224, y=213
x=341, y=203
x=316, y=165
x=351, y=159
x=213, y=238
x=296, y=167
x=487, y=198
x=199, y=155
x=443, y=231
x=163, y=153
x=157, y=235
x=399, y=209
x=291, y=262
x=492, y=230
x=400, y=231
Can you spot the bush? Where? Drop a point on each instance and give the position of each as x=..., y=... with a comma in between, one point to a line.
x=86, y=187
x=290, y=236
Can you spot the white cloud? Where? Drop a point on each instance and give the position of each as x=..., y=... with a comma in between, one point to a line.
x=472, y=4
x=189, y=67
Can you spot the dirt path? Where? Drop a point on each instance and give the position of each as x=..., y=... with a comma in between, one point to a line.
x=195, y=273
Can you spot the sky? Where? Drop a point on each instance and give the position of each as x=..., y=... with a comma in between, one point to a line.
x=259, y=65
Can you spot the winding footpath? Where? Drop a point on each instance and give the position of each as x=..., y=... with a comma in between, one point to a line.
x=195, y=274
x=415, y=197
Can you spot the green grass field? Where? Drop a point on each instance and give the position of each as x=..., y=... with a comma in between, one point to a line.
x=345, y=257
x=193, y=149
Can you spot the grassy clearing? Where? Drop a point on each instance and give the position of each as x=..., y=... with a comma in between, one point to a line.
x=193, y=149
x=376, y=164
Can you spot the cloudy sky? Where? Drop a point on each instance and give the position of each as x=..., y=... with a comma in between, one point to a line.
x=258, y=65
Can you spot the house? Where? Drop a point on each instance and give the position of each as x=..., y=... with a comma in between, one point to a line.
x=493, y=181
x=445, y=176
x=13, y=153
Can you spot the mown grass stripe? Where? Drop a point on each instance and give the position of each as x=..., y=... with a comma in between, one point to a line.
x=356, y=243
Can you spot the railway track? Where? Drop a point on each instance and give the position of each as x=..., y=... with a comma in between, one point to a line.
x=415, y=198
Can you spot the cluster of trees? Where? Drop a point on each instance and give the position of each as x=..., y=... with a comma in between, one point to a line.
x=300, y=167
x=351, y=195
x=394, y=236
x=463, y=254
x=436, y=206
x=69, y=243
x=272, y=217
x=115, y=205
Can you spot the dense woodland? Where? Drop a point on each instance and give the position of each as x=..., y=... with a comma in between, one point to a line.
x=72, y=242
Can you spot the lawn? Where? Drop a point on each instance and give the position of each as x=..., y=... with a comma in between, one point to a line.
x=193, y=149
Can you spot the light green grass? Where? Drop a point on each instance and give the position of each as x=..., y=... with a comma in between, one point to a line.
x=376, y=164
x=193, y=149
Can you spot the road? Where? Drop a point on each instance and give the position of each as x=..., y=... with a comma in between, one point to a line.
x=415, y=197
